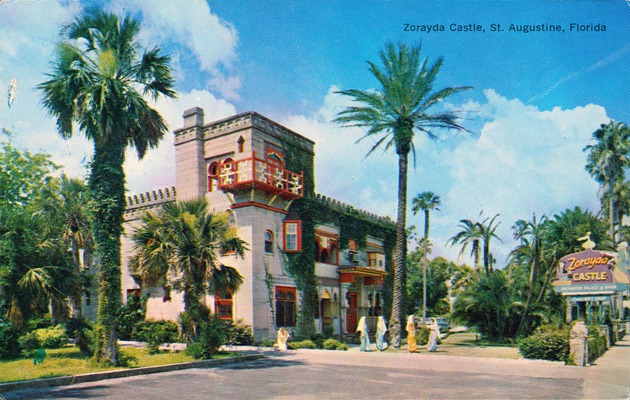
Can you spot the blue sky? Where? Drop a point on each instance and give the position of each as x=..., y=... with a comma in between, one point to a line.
x=536, y=100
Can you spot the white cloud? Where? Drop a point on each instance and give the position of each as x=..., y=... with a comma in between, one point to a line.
x=192, y=25
x=525, y=161
x=157, y=168
x=342, y=170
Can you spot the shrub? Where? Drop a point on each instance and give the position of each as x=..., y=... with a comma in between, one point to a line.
x=596, y=344
x=39, y=323
x=9, y=346
x=238, y=333
x=190, y=322
x=266, y=342
x=28, y=344
x=130, y=315
x=194, y=350
x=154, y=333
x=78, y=328
x=422, y=335
x=163, y=331
x=212, y=337
x=546, y=344
x=304, y=344
x=52, y=338
x=329, y=331
x=333, y=344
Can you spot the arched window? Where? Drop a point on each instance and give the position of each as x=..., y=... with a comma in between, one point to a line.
x=241, y=144
x=213, y=175
x=269, y=242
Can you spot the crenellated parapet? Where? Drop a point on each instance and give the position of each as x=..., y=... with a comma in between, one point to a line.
x=137, y=204
x=336, y=204
x=195, y=130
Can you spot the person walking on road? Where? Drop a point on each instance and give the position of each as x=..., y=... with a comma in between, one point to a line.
x=412, y=345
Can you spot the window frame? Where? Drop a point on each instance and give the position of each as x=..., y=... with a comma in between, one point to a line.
x=298, y=236
x=285, y=317
x=268, y=242
x=222, y=302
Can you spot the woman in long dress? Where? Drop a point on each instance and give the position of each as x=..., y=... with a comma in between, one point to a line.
x=435, y=335
x=363, y=329
x=381, y=329
x=283, y=336
x=412, y=345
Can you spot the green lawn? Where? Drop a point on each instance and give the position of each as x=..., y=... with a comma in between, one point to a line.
x=70, y=361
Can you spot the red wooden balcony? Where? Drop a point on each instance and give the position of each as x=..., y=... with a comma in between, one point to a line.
x=260, y=174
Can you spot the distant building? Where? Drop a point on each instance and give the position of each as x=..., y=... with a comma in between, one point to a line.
x=262, y=174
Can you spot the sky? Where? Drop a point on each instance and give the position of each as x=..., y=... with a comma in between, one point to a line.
x=535, y=101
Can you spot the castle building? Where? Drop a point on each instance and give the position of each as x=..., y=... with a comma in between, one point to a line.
x=263, y=174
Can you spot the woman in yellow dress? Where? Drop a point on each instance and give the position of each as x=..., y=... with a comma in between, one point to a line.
x=411, y=335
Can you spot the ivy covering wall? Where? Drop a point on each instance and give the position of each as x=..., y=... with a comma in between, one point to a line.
x=352, y=223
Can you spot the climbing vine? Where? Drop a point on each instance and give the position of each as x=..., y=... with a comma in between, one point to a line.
x=352, y=224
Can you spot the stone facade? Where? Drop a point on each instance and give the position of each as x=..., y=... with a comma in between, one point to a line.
x=238, y=164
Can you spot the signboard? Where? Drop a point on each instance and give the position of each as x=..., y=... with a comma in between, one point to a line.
x=577, y=299
x=586, y=267
x=591, y=288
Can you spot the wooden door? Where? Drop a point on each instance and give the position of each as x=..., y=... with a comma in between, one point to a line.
x=351, y=312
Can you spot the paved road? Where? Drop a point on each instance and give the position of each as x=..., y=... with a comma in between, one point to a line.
x=313, y=374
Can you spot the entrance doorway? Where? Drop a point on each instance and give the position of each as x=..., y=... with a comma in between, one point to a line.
x=351, y=312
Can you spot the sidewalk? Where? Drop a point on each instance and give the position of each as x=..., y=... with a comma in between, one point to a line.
x=609, y=376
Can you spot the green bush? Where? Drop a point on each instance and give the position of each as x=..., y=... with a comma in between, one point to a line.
x=194, y=350
x=547, y=343
x=212, y=336
x=78, y=328
x=154, y=333
x=329, y=331
x=190, y=322
x=333, y=344
x=28, y=344
x=422, y=335
x=304, y=344
x=39, y=323
x=266, y=342
x=162, y=331
x=9, y=346
x=130, y=315
x=596, y=344
x=239, y=334
x=52, y=338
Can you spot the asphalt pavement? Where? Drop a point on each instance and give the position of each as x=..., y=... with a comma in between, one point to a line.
x=317, y=374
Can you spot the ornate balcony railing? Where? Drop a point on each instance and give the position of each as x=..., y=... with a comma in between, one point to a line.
x=257, y=173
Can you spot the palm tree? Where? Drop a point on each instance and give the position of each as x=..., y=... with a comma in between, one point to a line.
x=608, y=158
x=530, y=251
x=425, y=201
x=488, y=231
x=68, y=203
x=395, y=111
x=181, y=245
x=470, y=234
x=98, y=82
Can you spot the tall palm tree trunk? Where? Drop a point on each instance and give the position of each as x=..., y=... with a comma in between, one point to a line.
x=395, y=322
x=107, y=182
x=425, y=264
x=612, y=210
x=530, y=295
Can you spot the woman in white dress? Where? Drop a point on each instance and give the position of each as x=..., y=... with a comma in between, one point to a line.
x=434, y=336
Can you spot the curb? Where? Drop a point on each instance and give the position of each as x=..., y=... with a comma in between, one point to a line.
x=97, y=376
